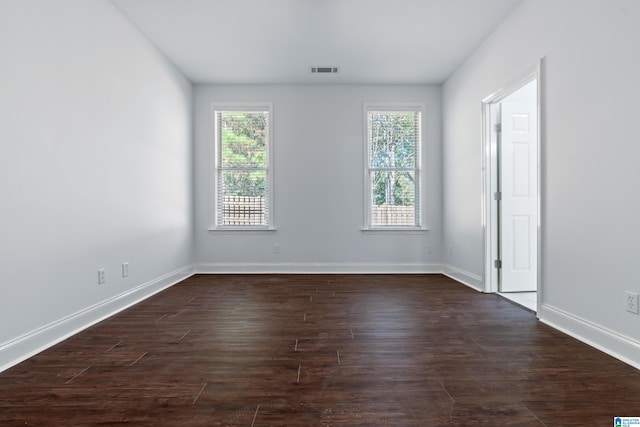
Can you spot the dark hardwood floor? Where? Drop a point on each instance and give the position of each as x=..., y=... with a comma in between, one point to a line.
x=320, y=350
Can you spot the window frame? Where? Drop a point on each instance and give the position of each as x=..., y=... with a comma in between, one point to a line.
x=215, y=162
x=419, y=224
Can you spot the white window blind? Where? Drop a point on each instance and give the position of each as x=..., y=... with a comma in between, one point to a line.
x=393, y=167
x=242, y=168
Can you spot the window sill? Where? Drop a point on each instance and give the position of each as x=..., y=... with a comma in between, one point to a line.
x=235, y=230
x=394, y=230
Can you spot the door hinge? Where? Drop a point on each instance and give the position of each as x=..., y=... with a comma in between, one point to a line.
x=497, y=127
x=497, y=263
x=497, y=195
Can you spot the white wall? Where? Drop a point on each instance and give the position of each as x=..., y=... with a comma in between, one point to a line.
x=318, y=175
x=590, y=159
x=95, y=169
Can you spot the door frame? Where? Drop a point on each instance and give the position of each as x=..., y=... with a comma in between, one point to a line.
x=490, y=229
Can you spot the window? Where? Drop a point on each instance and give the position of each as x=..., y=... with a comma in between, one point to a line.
x=242, y=178
x=393, y=166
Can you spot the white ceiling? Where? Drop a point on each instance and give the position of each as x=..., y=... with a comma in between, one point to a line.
x=278, y=41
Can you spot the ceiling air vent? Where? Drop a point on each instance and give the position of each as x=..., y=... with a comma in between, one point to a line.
x=324, y=70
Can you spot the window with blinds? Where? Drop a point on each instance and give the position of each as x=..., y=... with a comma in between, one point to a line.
x=393, y=166
x=242, y=166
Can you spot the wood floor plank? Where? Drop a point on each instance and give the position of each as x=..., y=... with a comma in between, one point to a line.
x=319, y=350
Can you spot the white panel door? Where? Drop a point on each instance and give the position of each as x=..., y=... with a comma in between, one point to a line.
x=519, y=187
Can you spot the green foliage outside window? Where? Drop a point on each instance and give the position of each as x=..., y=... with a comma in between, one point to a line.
x=244, y=139
x=392, y=147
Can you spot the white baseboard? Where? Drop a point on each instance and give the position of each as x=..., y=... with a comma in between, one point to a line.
x=605, y=340
x=318, y=268
x=32, y=343
x=471, y=280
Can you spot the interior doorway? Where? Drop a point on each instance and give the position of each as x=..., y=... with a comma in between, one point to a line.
x=512, y=192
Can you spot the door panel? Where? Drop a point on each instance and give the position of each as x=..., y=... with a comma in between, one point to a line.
x=518, y=183
x=521, y=243
x=521, y=170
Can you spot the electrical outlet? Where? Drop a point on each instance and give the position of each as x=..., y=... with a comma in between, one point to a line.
x=631, y=302
x=276, y=248
x=125, y=269
x=101, y=276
